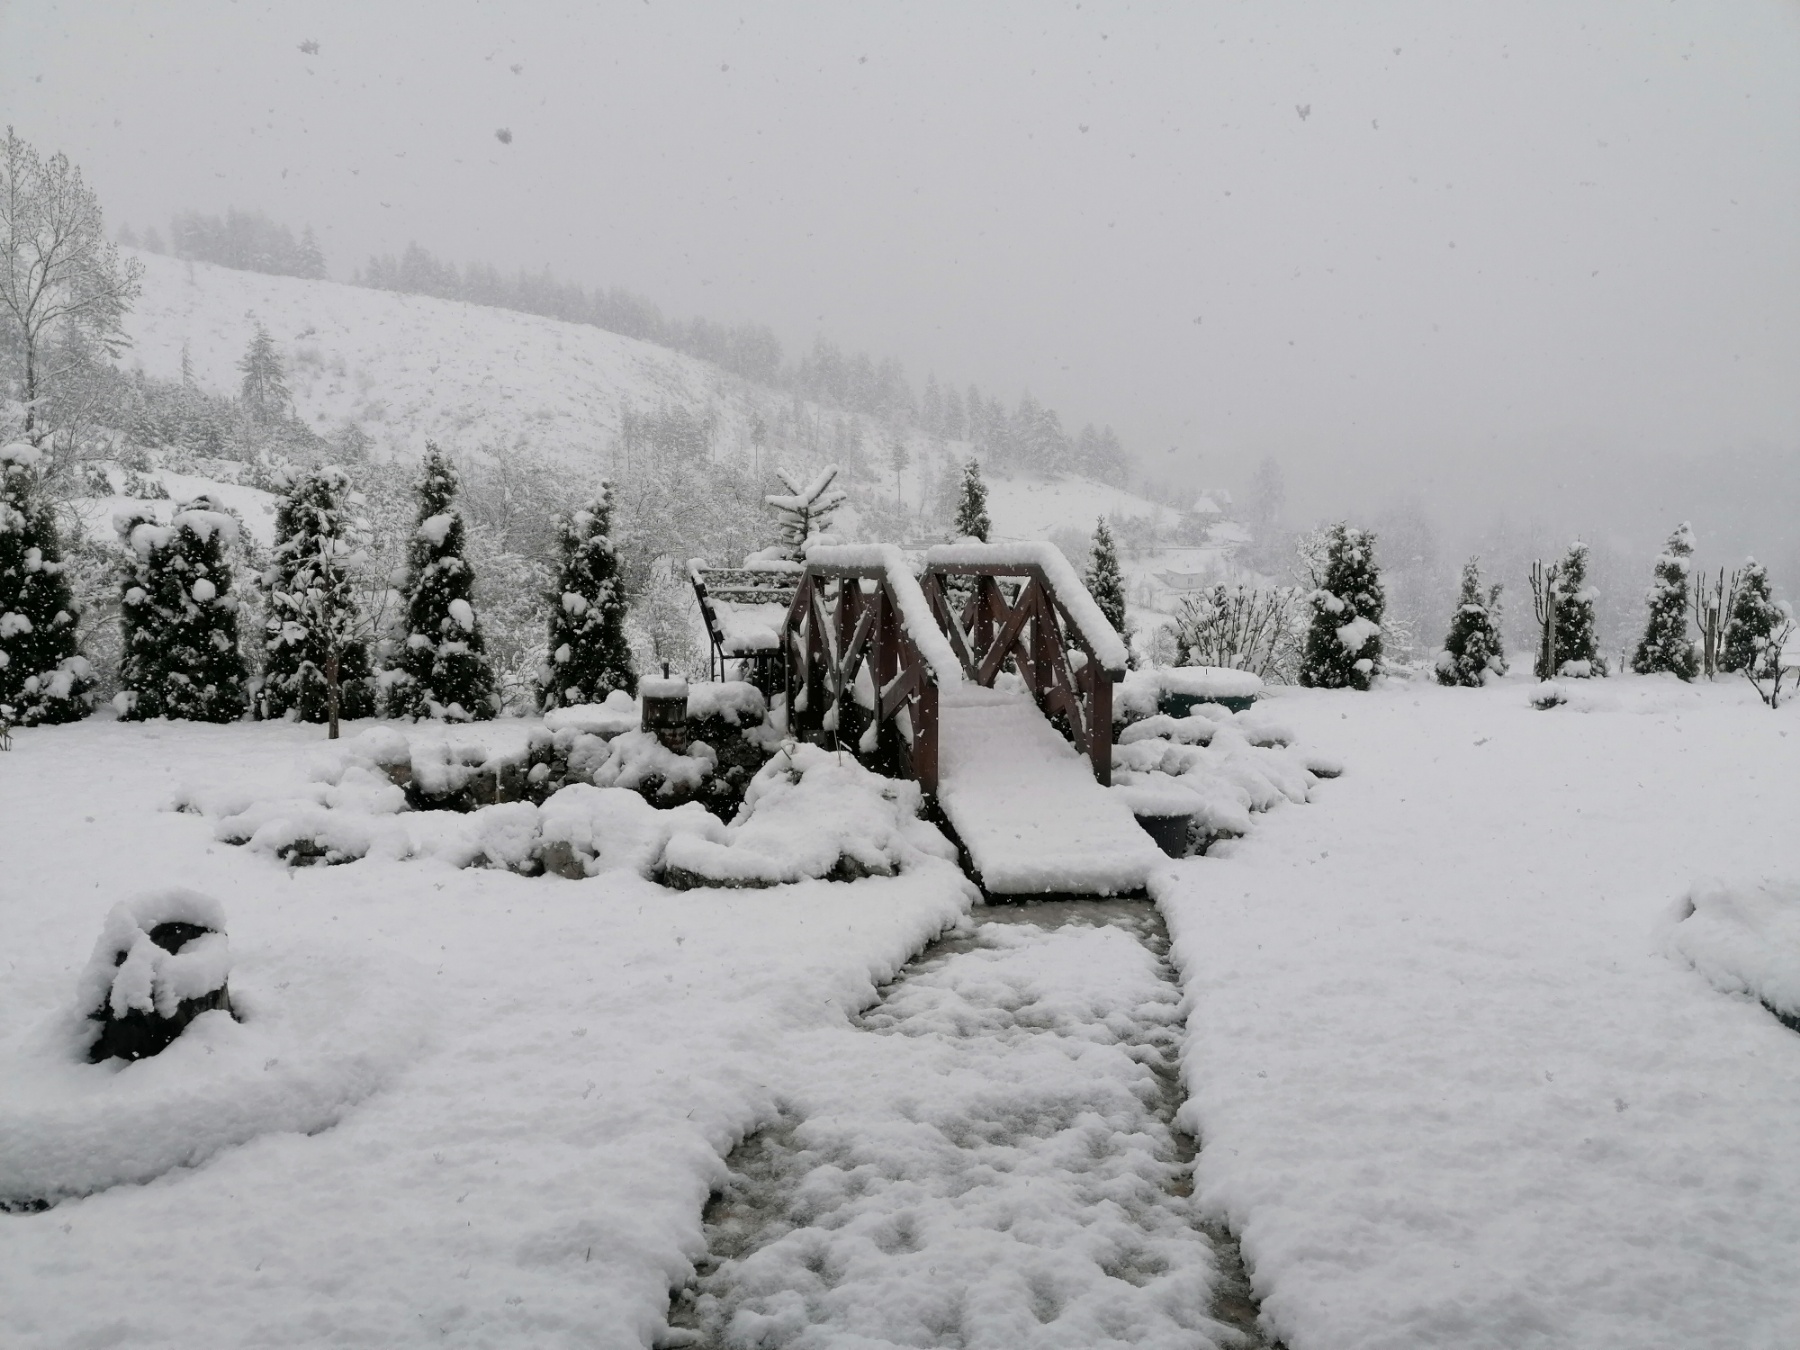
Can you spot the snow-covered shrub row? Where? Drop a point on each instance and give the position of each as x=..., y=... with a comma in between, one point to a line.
x=1745, y=939
x=1215, y=767
x=582, y=804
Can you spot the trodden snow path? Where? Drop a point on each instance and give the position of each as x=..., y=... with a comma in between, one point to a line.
x=1025, y=804
x=992, y=1168
x=1452, y=1091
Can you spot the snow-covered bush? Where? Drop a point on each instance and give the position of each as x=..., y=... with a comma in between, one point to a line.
x=316, y=638
x=588, y=656
x=1214, y=767
x=179, y=616
x=586, y=830
x=971, y=503
x=1755, y=617
x=804, y=512
x=1666, y=645
x=1343, y=643
x=1472, y=649
x=43, y=675
x=1577, y=655
x=1103, y=579
x=811, y=813
x=440, y=669
x=1745, y=939
x=161, y=961
x=1243, y=628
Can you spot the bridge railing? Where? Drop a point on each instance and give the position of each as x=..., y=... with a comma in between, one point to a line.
x=865, y=659
x=1043, y=622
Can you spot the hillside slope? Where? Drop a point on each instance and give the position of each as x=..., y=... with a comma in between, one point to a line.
x=409, y=369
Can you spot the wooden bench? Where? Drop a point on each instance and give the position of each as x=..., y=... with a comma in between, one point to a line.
x=725, y=593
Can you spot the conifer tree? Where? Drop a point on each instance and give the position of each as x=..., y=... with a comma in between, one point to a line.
x=264, y=389
x=1665, y=645
x=1473, y=650
x=589, y=656
x=43, y=675
x=1104, y=581
x=1343, y=643
x=441, y=668
x=1754, y=619
x=315, y=645
x=971, y=506
x=181, y=655
x=1577, y=635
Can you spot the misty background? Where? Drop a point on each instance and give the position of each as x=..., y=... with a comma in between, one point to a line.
x=1483, y=277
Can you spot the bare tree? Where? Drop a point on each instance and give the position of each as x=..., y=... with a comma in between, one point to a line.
x=1544, y=595
x=63, y=286
x=1770, y=667
x=1712, y=601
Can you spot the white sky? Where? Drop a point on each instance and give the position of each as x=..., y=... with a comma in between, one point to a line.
x=1515, y=251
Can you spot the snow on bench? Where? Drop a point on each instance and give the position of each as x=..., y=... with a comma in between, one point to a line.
x=1025, y=803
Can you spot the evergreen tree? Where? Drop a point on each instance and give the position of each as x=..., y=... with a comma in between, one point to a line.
x=1343, y=643
x=181, y=656
x=1665, y=644
x=441, y=669
x=589, y=656
x=43, y=675
x=1472, y=650
x=971, y=507
x=264, y=388
x=1755, y=616
x=315, y=651
x=804, y=513
x=1104, y=581
x=1577, y=635
x=311, y=260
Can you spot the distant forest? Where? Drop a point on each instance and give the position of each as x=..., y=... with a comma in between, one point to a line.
x=1027, y=436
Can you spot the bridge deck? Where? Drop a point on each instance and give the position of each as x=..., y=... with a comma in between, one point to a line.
x=1026, y=805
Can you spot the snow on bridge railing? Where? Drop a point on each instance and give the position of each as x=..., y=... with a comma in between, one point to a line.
x=864, y=658
x=1100, y=637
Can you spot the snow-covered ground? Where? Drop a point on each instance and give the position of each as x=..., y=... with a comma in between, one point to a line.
x=1453, y=1089
x=1456, y=1078
x=521, y=1089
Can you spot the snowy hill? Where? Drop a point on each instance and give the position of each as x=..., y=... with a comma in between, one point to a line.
x=409, y=369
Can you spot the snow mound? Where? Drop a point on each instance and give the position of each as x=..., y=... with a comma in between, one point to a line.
x=809, y=813
x=587, y=830
x=320, y=1029
x=1165, y=769
x=617, y=715
x=1744, y=937
x=1142, y=693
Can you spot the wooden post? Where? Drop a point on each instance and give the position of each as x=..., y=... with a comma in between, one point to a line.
x=1100, y=724
x=925, y=736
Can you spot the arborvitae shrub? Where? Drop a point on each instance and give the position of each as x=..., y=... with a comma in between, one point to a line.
x=1343, y=643
x=589, y=656
x=971, y=505
x=1103, y=579
x=1577, y=635
x=441, y=668
x=1665, y=645
x=312, y=607
x=1754, y=619
x=43, y=675
x=1472, y=649
x=179, y=617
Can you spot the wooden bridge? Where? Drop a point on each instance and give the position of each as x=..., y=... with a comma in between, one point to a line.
x=989, y=680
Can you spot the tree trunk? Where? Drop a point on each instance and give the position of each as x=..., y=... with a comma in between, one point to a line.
x=331, y=695
x=30, y=388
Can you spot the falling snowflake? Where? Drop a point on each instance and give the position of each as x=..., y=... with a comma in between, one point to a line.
x=1304, y=109
x=310, y=47
x=504, y=135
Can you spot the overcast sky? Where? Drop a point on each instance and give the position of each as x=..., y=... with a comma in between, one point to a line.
x=1471, y=252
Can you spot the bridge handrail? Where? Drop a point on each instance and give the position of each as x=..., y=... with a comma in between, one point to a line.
x=888, y=564
x=1071, y=593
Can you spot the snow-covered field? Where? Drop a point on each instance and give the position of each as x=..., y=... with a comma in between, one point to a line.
x=1456, y=1078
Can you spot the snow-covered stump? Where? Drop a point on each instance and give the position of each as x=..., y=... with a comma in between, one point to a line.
x=161, y=961
x=665, y=704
